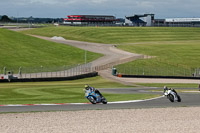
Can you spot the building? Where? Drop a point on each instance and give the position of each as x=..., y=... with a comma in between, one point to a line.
x=135, y=20
x=90, y=20
x=178, y=22
x=140, y=20
x=183, y=21
x=148, y=20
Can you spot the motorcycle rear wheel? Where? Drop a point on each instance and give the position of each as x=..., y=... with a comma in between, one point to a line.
x=104, y=101
x=179, y=98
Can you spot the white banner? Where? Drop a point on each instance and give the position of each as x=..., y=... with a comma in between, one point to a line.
x=182, y=20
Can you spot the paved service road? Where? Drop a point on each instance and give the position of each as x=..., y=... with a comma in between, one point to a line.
x=188, y=100
x=110, y=52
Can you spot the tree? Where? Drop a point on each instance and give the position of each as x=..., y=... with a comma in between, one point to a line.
x=5, y=18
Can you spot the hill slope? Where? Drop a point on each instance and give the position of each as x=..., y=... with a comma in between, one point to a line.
x=174, y=48
x=119, y=35
x=17, y=49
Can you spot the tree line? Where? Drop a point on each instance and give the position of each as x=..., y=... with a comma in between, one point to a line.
x=6, y=19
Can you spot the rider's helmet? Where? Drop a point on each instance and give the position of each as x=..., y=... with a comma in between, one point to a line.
x=87, y=87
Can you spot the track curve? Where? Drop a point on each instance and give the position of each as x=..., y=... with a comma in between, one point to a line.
x=111, y=54
x=188, y=100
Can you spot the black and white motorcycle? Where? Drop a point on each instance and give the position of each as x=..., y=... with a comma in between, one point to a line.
x=172, y=95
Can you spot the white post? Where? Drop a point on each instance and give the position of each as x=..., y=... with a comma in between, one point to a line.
x=85, y=54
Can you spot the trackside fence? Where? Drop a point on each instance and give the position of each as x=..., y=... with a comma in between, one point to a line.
x=146, y=71
x=74, y=70
x=61, y=71
x=47, y=72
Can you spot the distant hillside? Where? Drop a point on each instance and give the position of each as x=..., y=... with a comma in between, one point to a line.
x=17, y=49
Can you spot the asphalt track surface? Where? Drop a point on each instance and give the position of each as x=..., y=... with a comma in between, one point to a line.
x=188, y=100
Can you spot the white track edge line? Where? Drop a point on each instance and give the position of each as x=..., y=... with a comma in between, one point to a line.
x=117, y=102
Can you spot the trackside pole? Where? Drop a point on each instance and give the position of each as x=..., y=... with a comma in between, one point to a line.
x=199, y=87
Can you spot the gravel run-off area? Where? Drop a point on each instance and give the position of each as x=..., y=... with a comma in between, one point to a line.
x=156, y=120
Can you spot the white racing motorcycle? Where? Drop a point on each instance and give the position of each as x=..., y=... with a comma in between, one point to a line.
x=172, y=95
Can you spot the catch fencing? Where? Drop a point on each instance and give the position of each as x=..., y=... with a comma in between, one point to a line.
x=69, y=71
x=47, y=72
x=62, y=71
x=146, y=71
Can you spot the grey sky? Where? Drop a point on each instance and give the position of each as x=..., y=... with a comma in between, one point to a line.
x=119, y=8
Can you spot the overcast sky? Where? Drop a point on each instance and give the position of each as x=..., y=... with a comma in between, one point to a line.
x=119, y=8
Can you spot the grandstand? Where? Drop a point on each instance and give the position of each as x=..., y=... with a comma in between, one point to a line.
x=90, y=20
x=140, y=20
x=134, y=20
x=148, y=20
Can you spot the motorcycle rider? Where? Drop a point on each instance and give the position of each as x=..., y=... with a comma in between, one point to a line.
x=87, y=87
x=165, y=89
x=174, y=91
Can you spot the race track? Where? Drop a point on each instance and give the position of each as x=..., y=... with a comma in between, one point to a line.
x=112, y=54
x=188, y=100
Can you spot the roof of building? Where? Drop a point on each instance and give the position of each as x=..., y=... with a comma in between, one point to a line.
x=93, y=15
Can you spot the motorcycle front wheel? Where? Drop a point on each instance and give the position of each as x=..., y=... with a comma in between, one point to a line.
x=171, y=98
x=92, y=100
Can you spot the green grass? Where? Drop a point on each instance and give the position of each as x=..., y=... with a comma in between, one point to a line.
x=186, y=86
x=176, y=48
x=17, y=49
x=180, y=90
x=170, y=56
x=170, y=85
x=119, y=35
x=60, y=92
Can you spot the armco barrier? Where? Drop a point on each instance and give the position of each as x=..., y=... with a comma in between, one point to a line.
x=147, y=76
x=92, y=74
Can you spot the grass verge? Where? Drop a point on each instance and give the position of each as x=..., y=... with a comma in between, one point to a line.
x=60, y=92
x=169, y=85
